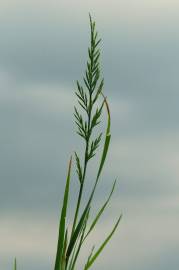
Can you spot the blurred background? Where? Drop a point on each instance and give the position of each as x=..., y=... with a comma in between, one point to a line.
x=43, y=51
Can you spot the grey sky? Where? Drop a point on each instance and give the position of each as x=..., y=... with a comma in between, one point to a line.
x=43, y=51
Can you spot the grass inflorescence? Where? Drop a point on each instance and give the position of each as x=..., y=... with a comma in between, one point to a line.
x=91, y=103
x=89, y=95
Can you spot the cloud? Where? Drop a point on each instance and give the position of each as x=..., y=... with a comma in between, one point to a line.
x=41, y=41
x=33, y=128
x=145, y=164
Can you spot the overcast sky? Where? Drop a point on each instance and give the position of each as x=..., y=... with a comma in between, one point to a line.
x=43, y=51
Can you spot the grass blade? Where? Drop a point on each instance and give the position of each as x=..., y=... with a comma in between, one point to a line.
x=62, y=222
x=94, y=257
x=15, y=264
x=77, y=232
x=89, y=257
x=101, y=211
x=63, y=262
x=107, y=140
x=81, y=241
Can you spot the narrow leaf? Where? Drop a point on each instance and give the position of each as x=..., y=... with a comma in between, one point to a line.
x=94, y=257
x=15, y=264
x=107, y=140
x=63, y=262
x=62, y=221
x=77, y=231
x=81, y=240
x=101, y=211
x=89, y=257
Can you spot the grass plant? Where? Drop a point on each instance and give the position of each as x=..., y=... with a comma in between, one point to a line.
x=87, y=117
x=91, y=103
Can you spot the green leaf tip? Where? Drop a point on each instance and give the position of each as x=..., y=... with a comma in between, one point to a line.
x=109, y=114
x=94, y=257
x=101, y=210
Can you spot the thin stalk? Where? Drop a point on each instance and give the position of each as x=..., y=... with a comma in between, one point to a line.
x=86, y=151
x=84, y=170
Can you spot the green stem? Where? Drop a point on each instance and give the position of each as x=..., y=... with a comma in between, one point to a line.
x=84, y=171
x=89, y=112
